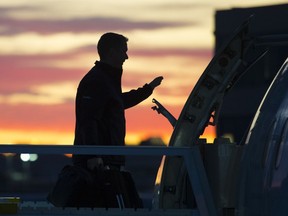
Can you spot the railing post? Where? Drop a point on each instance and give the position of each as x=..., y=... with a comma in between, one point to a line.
x=199, y=182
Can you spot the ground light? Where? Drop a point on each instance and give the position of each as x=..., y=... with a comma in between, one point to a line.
x=28, y=157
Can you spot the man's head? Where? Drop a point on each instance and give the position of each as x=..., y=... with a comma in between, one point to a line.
x=112, y=49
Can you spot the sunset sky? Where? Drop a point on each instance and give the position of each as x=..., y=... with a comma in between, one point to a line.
x=47, y=46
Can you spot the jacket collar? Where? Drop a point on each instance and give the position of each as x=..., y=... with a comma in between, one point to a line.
x=112, y=71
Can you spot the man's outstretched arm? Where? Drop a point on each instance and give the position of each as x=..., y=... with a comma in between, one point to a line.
x=134, y=97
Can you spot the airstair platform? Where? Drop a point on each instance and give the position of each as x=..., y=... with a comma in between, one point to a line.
x=191, y=156
x=28, y=208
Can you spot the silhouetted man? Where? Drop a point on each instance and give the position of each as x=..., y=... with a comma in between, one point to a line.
x=100, y=103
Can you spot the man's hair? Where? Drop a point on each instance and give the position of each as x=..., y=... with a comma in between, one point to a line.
x=110, y=40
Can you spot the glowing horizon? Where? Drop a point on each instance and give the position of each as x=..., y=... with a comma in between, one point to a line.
x=47, y=48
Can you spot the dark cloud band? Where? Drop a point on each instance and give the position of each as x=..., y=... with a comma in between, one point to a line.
x=13, y=26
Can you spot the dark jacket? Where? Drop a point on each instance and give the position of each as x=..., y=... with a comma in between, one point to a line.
x=100, y=106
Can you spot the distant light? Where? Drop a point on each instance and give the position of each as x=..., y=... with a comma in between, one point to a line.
x=25, y=157
x=33, y=157
x=28, y=157
x=8, y=154
x=68, y=155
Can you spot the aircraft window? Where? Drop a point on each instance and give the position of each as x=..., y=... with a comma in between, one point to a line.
x=281, y=144
x=268, y=142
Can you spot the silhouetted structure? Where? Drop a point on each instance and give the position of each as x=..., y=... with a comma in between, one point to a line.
x=242, y=101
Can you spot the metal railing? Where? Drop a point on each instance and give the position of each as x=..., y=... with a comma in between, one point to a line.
x=191, y=156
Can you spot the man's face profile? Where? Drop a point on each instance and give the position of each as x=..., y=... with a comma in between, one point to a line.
x=119, y=55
